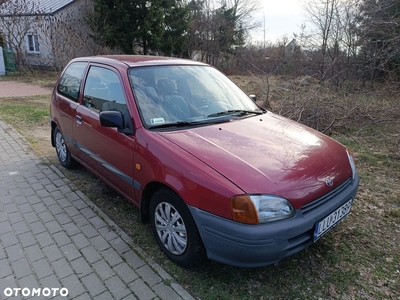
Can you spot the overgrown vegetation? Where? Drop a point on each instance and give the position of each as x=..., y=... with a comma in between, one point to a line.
x=359, y=259
x=346, y=44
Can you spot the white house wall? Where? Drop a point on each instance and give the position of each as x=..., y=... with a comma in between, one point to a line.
x=62, y=36
x=72, y=39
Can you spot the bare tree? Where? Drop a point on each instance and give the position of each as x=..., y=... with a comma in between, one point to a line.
x=322, y=16
x=243, y=10
x=218, y=28
x=16, y=27
x=66, y=35
x=42, y=38
x=350, y=38
x=335, y=38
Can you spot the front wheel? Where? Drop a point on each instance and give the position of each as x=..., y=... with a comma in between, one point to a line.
x=63, y=154
x=174, y=229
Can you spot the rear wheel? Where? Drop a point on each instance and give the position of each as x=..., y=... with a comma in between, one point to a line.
x=64, y=156
x=174, y=229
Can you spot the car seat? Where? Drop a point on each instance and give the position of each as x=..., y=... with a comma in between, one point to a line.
x=172, y=102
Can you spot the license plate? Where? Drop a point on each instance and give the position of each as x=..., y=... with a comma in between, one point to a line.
x=330, y=221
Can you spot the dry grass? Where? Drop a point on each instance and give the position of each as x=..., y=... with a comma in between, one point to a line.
x=322, y=107
x=359, y=259
x=44, y=79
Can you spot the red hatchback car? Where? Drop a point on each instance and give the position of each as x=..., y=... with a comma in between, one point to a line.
x=214, y=174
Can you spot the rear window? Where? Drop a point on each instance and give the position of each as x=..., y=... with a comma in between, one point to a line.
x=71, y=80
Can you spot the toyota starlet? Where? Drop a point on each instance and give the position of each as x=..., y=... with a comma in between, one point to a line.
x=215, y=174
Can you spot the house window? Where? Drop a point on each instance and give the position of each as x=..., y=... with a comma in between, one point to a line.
x=33, y=44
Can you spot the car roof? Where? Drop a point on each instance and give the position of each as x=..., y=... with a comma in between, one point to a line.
x=139, y=60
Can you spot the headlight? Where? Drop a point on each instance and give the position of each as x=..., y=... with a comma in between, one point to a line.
x=352, y=164
x=255, y=209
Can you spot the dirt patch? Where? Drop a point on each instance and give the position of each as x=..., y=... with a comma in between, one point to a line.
x=30, y=116
x=42, y=144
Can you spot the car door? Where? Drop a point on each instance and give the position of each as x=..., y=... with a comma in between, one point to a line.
x=104, y=150
x=66, y=100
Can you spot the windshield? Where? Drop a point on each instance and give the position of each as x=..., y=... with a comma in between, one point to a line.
x=188, y=95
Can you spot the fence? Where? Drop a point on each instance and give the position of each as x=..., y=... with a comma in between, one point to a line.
x=2, y=67
x=9, y=60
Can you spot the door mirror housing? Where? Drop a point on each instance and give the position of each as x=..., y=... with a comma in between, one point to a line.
x=112, y=119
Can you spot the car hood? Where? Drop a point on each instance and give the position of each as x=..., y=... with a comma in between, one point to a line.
x=269, y=154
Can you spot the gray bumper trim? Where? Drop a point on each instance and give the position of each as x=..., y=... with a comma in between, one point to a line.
x=245, y=245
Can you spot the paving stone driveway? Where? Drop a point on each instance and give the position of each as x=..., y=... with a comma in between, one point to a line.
x=53, y=238
x=18, y=89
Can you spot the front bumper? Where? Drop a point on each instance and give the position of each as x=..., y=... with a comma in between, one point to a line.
x=244, y=245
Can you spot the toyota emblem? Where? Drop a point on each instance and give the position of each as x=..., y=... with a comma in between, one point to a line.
x=329, y=181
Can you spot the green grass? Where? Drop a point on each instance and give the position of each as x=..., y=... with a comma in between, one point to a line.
x=31, y=110
x=31, y=115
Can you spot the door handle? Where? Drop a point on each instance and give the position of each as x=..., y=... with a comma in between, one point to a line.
x=78, y=119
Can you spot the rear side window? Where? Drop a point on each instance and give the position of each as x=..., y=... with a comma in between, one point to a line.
x=71, y=80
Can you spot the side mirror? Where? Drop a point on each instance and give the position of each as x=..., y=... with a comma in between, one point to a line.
x=253, y=97
x=112, y=119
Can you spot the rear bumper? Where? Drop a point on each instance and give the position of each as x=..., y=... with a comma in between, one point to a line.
x=249, y=246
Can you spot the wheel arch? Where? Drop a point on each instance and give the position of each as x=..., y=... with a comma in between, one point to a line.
x=195, y=250
x=53, y=125
x=147, y=194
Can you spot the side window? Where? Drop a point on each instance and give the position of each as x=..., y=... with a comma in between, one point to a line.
x=102, y=89
x=71, y=80
x=103, y=92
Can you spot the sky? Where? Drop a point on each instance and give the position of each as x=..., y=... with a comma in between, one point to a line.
x=282, y=17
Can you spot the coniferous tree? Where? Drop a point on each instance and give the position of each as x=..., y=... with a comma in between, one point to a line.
x=139, y=26
x=218, y=28
x=379, y=33
x=175, y=36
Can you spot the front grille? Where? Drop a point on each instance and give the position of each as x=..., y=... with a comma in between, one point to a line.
x=320, y=201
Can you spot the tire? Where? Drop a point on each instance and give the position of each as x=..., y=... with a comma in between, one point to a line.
x=63, y=154
x=175, y=230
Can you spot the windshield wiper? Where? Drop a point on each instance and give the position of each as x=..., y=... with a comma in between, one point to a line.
x=175, y=124
x=188, y=123
x=240, y=112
